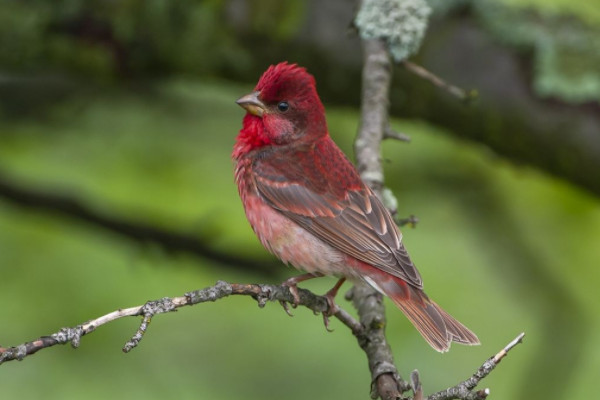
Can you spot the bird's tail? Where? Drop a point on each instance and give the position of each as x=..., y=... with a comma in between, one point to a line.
x=436, y=326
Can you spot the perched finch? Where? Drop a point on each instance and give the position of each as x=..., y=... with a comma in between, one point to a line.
x=308, y=205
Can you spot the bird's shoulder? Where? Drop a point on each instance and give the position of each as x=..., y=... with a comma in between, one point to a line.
x=320, y=167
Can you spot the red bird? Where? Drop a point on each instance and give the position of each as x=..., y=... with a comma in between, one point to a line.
x=308, y=205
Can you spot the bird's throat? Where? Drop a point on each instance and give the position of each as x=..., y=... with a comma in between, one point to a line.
x=251, y=136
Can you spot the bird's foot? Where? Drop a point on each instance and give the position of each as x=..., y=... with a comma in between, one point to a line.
x=326, y=316
x=286, y=307
x=292, y=285
x=332, y=308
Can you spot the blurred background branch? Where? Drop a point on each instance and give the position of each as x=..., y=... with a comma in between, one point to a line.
x=170, y=240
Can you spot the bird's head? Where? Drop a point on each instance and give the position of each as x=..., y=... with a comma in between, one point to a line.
x=284, y=107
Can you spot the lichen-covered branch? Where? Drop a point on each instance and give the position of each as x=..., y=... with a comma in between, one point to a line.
x=369, y=332
x=260, y=292
x=376, y=79
x=374, y=127
x=386, y=382
x=464, y=390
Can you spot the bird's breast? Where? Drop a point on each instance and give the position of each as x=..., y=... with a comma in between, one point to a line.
x=281, y=236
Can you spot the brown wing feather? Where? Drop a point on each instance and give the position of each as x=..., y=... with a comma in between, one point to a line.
x=357, y=224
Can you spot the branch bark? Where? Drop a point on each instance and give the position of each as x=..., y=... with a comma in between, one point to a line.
x=376, y=79
x=386, y=381
x=262, y=293
x=464, y=390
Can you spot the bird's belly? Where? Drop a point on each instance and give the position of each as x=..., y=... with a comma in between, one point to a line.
x=291, y=243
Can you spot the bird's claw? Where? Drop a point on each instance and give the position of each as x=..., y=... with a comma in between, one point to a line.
x=295, y=295
x=332, y=308
x=326, y=322
x=286, y=307
x=293, y=281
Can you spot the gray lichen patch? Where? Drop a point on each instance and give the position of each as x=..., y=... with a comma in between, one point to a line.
x=401, y=23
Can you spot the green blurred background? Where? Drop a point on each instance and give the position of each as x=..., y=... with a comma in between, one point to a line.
x=128, y=108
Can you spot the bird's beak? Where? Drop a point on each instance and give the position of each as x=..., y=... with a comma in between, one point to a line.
x=252, y=104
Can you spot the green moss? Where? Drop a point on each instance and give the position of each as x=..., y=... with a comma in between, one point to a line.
x=566, y=50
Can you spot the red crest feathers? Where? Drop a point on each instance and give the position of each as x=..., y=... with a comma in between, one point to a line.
x=285, y=81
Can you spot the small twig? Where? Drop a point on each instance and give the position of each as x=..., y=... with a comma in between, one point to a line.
x=415, y=383
x=464, y=390
x=464, y=95
x=502, y=353
x=411, y=220
x=262, y=293
x=390, y=133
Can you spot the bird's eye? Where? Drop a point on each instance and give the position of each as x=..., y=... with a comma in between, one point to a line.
x=283, y=106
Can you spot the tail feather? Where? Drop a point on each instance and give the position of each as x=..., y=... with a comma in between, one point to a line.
x=436, y=326
x=459, y=333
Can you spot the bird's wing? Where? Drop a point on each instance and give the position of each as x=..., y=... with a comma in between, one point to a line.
x=352, y=221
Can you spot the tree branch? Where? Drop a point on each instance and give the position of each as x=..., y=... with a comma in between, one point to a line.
x=376, y=79
x=464, y=390
x=260, y=292
x=389, y=133
x=374, y=127
x=421, y=72
x=369, y=333
x=168, y=239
